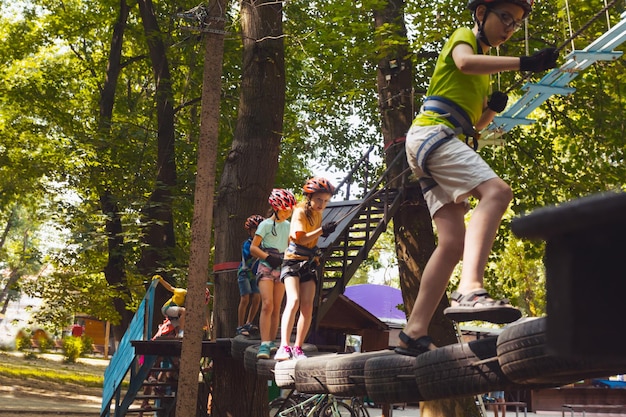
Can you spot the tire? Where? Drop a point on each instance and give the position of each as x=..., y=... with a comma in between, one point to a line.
x=239, y=344
x=310, y=373
x=281, y=404
x=526, y=359
x=462, y=369
x=391, y=379
x=359, y=410
x=336, y=409
x=264, y=368
x=285, y=374
x=345, y=375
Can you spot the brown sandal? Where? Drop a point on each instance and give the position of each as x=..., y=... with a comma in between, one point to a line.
x=493, y=311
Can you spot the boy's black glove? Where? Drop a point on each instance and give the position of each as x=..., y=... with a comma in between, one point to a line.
x=274, y=260
x=539, y=61
x=497, y=101
x=328, y=228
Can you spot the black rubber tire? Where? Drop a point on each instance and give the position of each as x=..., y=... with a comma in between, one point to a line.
x=361, y=411
x=239, y=344
x=462, y=369
x=343, y=410
x=285, y=374
x=391, y=379
x=525, y=358
x=281, y=404
x=310, y=373
x=345, y=375
x=264, y=368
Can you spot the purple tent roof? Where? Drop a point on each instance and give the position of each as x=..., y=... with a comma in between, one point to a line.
x=379, y=300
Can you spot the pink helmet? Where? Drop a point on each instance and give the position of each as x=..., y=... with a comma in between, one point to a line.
x=318, y=185
x=281, y=199
x=253, y=221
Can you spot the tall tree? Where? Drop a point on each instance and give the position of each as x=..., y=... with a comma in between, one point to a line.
x=247, y=179
x=114, y=270
x=412, y=224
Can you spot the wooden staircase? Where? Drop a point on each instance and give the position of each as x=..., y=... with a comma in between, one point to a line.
x=158, y=390
x=360, y=223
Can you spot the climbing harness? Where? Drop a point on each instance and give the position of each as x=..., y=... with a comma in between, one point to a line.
x=299, y=250
x=451, y=111
x=455, y=115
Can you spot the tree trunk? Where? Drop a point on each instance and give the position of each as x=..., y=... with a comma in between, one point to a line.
x=413, y=229
x=114, y=270
x=187, y=392
x=159, y=224
x=248, y=178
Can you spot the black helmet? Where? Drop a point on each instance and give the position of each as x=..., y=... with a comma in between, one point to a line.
x=527, y=5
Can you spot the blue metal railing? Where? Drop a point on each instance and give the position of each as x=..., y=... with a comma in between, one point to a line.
x=124, y=358
x=555, y=82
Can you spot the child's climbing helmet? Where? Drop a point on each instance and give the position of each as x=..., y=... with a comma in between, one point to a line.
x=527, y=5
x=317, y=185
x=281, y=199
x=253, y=221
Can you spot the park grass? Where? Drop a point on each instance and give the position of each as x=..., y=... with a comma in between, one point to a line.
x=18, y=366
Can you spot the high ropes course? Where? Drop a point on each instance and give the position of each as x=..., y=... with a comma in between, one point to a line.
x=556, y=81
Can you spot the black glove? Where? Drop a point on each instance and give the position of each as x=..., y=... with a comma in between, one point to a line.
x=274, y=260
x=539, y=61
x=497, y=101
x=328, y=228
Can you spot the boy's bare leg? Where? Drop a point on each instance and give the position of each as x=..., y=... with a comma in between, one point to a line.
x=244, y=300
x=255, y=302
x=495, y=196
x=449, y=221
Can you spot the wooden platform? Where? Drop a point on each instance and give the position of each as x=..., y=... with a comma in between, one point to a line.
x=172, y=347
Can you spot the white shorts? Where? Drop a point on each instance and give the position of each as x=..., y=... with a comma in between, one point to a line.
x=450, y=171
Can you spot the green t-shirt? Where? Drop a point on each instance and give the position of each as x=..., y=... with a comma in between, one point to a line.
x=467, y=90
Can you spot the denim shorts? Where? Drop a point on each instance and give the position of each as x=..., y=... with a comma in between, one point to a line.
x=246, y=285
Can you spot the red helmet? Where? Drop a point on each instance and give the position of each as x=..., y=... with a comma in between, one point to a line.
x=281, y=199
x=318, y=185
x=527, y=5
x=253, y=221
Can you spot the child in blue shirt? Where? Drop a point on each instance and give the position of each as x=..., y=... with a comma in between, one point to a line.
x=246, y=278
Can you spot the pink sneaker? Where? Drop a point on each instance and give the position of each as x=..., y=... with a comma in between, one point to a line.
x=297, y=353
x=284, y=353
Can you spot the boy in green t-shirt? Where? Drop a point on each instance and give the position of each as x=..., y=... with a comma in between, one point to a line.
x=449, y=171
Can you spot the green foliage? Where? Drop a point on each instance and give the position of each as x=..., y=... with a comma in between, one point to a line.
x=86, y=345
x=72, y=349
x=44, y=343
x=22, y=342
x=56, y=159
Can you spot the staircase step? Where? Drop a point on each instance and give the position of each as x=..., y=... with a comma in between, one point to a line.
x=144, y=410
x=154, y=396
x=159, y=383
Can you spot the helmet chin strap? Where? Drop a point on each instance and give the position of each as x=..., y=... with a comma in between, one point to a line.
x=481, y=33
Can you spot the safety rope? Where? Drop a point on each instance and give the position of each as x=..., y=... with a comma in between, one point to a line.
x=584, y=27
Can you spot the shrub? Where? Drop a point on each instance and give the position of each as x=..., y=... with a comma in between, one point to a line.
x=72, y=349
x=44, y=342
x=87, y=342
x=22, y=342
